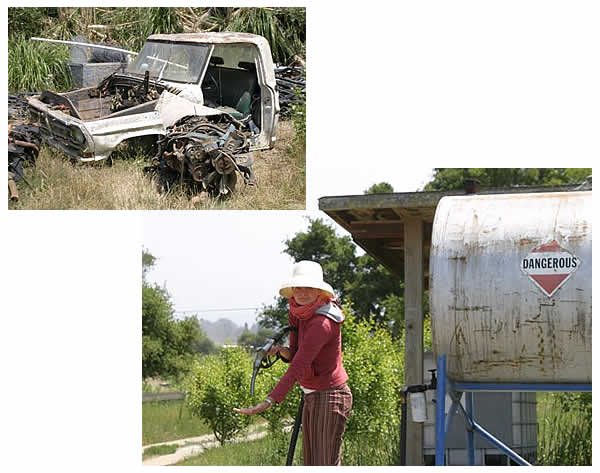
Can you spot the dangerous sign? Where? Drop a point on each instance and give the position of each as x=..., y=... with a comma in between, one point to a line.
x=549, y=266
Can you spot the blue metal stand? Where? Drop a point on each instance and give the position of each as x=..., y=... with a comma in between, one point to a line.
x=456, y=390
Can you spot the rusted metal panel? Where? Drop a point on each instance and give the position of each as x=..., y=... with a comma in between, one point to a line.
x=496, y=318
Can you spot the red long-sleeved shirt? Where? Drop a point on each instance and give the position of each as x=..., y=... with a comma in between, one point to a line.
x=316, y=351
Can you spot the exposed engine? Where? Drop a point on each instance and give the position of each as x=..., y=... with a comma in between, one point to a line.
x=206, y=153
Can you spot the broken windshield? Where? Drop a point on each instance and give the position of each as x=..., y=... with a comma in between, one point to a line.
x=177, y=62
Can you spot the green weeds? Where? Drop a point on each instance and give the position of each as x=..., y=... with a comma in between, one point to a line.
x=565, y=430
x=36, y=66
x=164, y=421
x=267, y=451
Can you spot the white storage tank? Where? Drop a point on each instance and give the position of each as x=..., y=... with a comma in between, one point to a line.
x=511, y=287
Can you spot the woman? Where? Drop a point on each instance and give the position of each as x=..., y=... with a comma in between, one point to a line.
x=315, y=357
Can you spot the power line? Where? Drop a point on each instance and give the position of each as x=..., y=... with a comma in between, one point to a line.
x=216, y=310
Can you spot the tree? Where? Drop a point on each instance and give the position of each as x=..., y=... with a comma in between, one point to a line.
x=253, y=340
x=168, y=345
x=359, y=278
x=381, y=188
x=337, y=255
x=453, y=178
x=375, y=366
x=217, y=384
x=148, y=262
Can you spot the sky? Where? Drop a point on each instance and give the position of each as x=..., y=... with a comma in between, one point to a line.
x=393, y=89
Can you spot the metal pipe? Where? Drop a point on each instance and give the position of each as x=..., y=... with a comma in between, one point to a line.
x=89, y=45
x=490, y=438
x=295, y=431
x=403, y=427
x=451, y=413
x=473, y=426
x=523, y=387
x=12, y=187
x=440, y=414
x=470, y=436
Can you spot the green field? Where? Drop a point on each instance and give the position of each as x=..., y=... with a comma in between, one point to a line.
x=164, y=421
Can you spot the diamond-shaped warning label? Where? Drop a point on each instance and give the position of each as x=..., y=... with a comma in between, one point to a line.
x=549, y=266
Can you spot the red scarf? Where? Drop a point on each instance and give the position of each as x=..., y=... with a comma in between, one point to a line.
x=304, y=312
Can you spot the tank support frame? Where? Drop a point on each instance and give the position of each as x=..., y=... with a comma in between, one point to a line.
x=456, y=391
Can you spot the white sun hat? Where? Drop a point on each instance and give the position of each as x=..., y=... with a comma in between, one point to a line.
x=306, y=274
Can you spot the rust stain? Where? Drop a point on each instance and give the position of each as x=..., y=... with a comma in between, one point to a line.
x=474, y=308
x=523, y=360
x=462, y=259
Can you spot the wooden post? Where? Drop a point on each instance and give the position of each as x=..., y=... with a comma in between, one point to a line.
x=413, y=320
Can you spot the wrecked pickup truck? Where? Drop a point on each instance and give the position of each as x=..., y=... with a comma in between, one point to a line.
x=206, y=99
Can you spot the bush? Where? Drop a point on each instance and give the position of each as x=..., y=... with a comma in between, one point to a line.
x=217, y=384
x=285, y=412
x=375, y=367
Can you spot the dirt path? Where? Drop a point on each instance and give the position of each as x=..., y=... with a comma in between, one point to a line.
x=193, y=446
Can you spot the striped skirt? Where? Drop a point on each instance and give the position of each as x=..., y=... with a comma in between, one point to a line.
x=323, y=423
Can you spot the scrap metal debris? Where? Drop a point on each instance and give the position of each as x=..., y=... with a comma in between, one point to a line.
x=18, y=108
x=291, y=83
x=206, y=153
x=23, y=150
x=127, y=93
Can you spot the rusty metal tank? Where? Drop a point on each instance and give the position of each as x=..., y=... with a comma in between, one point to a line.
x=511, y=287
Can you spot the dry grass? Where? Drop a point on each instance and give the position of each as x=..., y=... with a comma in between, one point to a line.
x=56, y=184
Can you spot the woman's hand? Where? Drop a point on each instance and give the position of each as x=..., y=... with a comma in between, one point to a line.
x=283, y=351
x=275, y=348
x=250, y=411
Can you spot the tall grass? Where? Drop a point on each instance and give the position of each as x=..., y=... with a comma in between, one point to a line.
x=285, y=28
x=372, y=450
x=55, y=183
x=36, y=66
x=131, y=26
x=164, y=421
x=565, y=432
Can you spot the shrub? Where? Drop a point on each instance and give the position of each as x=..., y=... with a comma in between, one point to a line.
x=218, y=383
x=375, y=368
x=278, y=415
